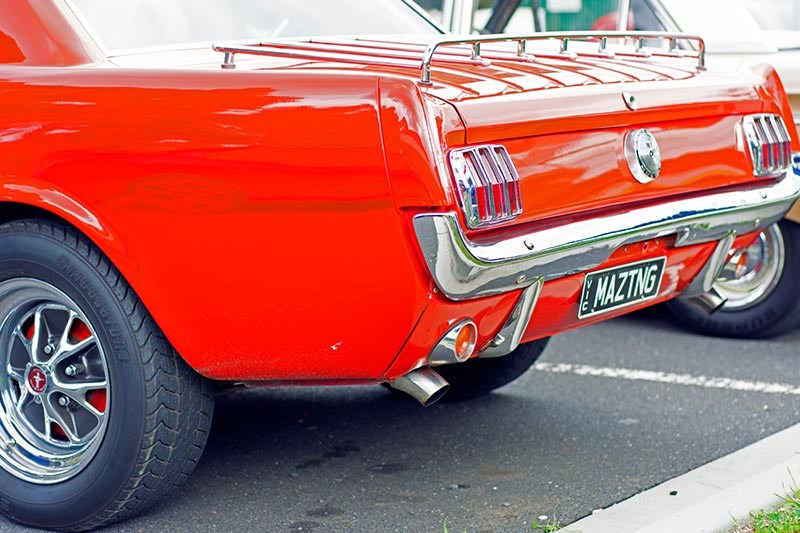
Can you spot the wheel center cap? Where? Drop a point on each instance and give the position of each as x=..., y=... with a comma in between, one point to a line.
x=37, y=380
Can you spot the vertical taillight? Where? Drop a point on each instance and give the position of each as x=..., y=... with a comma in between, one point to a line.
x=769, y=143
x=488, y=184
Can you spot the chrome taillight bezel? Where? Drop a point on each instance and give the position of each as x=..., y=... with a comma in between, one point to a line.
x=769, y=144
x=488, y=184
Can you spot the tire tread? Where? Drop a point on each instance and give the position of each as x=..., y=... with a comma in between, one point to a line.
x=178, y=401
x=777, y=314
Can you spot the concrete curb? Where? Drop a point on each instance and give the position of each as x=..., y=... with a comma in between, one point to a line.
x=708, y=498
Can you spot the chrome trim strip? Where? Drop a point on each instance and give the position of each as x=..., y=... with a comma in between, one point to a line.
x=464, y=269
x=425, y=15
x=458, y=16
x=623, y=15
x=510, y=334
x=87, y=27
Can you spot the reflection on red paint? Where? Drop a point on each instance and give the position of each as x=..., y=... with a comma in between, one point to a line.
x=10, y=51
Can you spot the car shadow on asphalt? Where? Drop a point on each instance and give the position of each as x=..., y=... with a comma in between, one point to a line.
x=354, y=458
x=279, y=445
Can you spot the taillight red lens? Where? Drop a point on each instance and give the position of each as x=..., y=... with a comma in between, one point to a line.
x=488, y=184
x=769, y=143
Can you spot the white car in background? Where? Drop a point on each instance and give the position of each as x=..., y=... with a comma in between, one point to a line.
x=761, y=282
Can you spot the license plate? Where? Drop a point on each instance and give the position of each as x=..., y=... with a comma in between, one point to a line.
x=620, y=286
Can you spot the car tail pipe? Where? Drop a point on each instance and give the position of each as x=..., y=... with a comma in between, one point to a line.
x=423, y=384
x=708, y=302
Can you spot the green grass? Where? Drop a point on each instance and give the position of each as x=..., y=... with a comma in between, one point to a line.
x=445, y=526
x=548, y=524
x=783, y=519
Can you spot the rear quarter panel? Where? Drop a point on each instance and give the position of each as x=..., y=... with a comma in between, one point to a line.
x=251, y=212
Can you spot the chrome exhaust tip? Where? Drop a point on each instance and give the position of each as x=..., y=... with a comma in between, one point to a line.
x=424, y=384
x=707, y=303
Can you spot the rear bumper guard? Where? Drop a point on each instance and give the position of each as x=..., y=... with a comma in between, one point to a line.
x=463, y=269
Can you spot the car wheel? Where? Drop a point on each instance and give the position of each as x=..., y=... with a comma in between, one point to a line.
x=762, y=289
x=478, y=377
x=99, y=417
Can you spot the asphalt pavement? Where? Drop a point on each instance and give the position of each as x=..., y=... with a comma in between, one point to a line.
x=613, y=409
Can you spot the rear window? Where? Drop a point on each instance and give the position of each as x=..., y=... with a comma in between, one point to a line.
x=132, y=24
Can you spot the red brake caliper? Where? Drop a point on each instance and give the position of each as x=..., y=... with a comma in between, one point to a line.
x=55, y=429
x=96, y=398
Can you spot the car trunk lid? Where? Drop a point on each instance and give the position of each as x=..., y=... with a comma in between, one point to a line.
x=562, y=116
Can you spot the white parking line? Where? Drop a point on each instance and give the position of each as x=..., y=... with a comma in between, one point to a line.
x=673, y=379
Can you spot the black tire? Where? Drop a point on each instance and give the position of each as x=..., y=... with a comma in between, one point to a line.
x=158, y=411
x=478, y=377
x=775, y=312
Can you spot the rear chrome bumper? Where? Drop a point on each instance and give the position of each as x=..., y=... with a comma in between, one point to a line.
x=463, y=269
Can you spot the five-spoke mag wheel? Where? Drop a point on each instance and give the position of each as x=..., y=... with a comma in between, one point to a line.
x=753, y=272
x=54, y=388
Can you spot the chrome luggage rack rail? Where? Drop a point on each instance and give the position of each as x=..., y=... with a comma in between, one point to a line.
x=641, y=48
x=602, y=37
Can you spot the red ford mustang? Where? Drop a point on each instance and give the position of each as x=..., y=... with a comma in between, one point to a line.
x=245, y=192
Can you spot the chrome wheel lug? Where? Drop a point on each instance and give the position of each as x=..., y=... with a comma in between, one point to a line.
x=37, y=399
x=63, y=401
x=74, y=369
x=49, y=349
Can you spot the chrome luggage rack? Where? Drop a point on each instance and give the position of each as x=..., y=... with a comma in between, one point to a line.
x=641, y=48
x=672, y=50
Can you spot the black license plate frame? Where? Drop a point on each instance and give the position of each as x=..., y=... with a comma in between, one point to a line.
x=620, y=286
